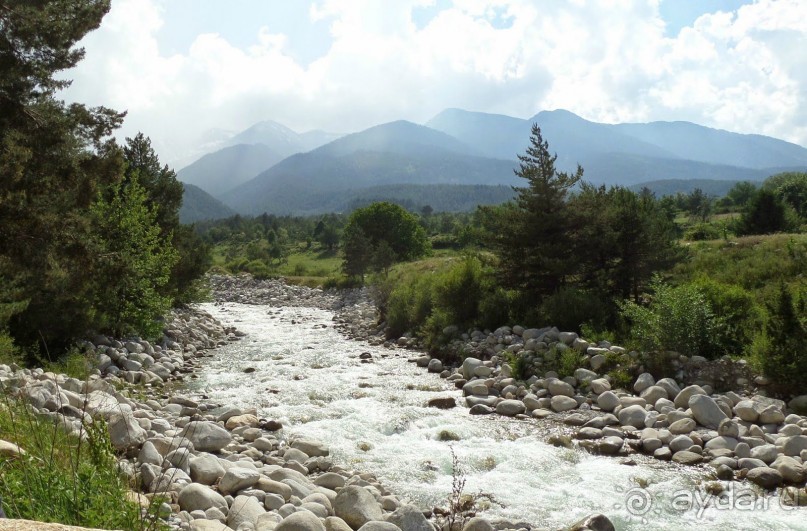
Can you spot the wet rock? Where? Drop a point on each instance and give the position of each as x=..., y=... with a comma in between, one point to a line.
x=595, y=522
x=765, y=477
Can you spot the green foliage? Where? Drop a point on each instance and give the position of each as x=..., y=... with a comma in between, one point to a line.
x=519, y=365
x=68, y=245
x=741, y=193
x=622, y=239
x=570, y=307
x=529, y=236
x=569, y=361
x=62, y=478
x=73, y=363
x=703, y=231
x=756, y=263
x=792, y=188
x=358, y=251
x=738, y=311
x=621, y=379
x=392, y=224
x=765, y=213
x=135, y=262
x=779, y=350
x=677, y=318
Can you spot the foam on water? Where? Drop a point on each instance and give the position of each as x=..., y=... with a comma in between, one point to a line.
x=373, y=417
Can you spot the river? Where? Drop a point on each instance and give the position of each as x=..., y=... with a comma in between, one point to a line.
x=373, y=416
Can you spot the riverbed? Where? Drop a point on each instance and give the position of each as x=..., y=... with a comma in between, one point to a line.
x=373, y=416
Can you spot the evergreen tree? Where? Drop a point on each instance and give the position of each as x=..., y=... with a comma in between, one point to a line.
x=765, y=213
x=781, y=349
x=531, y=236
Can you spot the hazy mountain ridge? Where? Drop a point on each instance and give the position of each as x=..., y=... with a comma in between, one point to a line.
x=459, y=147
x=198, y=205
x=220, y=172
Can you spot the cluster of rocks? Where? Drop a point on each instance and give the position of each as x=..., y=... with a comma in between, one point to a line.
x=741, y=436
x=246, y=289
x=216, y=467
x=188, y=336
x=355, y=313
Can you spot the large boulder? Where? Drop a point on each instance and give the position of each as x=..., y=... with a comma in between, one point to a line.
x=478, y=524
x=199, y=497
x=206, y=436
x=468, y=367
x=238, y=478
x=706, y=411
x=511, y=408
x=311, y=447
x=301, y=521
x=206, y=469
x=244, y=509
x=633, y=416
x=409, y=518
x=682, y=399
x=356, y=506
x=595, y=522
x=125, y=432
x=559, y=388
x=767, y=478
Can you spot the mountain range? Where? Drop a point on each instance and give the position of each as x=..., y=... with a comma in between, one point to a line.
x=270, y=168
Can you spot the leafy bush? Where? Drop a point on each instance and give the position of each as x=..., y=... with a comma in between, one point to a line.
x=779, y=350
x=739, y=313
x=677, y=318
x=570, y=307
x=704, y=231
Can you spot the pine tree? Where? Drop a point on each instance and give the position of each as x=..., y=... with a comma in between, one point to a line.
x=531, y=236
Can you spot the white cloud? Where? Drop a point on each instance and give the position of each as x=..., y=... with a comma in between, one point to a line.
x=607, y=60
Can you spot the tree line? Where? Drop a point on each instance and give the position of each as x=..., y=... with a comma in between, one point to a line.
x=90, y=238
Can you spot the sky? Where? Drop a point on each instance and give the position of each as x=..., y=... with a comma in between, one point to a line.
x=181, y=68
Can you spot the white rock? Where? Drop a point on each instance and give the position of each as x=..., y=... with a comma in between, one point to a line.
x=356, y=506
x=633, y=416
x=206, y=436
x=644, y=381
x=511, y=408
x=196, y=496
x=682, y=399
x=244, y=509
x=562, y=403
x=608, y=401
x=125, y=432
x=236, y=479
x=706, y=411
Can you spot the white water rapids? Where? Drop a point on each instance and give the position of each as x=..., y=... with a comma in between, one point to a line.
x=373, y=417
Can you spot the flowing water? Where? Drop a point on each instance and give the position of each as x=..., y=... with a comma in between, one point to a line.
x=373, y=417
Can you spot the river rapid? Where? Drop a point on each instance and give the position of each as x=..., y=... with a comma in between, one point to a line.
x=373, y=416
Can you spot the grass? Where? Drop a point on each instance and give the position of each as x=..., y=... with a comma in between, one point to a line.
x=757, y=263
x=62, y=478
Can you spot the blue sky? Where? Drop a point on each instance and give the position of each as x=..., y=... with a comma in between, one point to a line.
x=182, y=67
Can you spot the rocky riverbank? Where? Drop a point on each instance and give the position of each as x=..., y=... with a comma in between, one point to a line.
x=202, y=465
x=740, y=433
x=736, y=434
